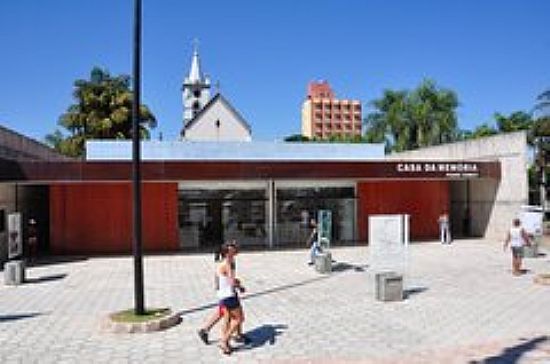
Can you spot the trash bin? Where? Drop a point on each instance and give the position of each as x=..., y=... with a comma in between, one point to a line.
x=389, y=286
x=14, y=272
x=323, y=262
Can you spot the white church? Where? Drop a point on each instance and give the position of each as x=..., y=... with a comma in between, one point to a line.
x=209, y=119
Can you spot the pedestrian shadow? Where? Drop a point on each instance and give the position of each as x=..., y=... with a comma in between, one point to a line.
x=513, y=354
x=22, y=316
x=263, y=335
x=412, y=291
x=343, y=266
x=54, y=277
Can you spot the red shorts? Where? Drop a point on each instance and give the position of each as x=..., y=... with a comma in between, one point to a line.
x=221, y=309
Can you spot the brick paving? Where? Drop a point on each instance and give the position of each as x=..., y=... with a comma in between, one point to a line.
x=464, y=306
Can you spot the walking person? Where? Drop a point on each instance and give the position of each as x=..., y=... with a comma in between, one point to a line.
x=444, y=228
x=227, y=294
x=219, y=313
x=517, y=238
x=313, y=242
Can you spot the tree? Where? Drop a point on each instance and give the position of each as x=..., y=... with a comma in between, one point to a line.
x=388, y=124
x=516, y=121
x=102, y=110
x=541, y=132
x=542, y=115
x=406, y=120
x=296, y=138
x=482, y=131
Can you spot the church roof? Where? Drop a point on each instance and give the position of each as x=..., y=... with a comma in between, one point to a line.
x=227, y=104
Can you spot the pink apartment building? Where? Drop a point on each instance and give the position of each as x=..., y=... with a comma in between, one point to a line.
x=325, y=116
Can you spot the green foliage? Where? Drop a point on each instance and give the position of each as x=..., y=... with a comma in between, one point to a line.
x=102, y=110
x=331, y=139
x=149, y=315
x=297, y=138
x=481, y=131
x=517, y=121
x=406, y=120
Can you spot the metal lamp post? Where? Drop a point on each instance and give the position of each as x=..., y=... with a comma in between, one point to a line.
x=136, y=173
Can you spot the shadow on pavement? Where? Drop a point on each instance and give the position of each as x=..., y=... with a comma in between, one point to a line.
x=514, y=353
x=342, y=267
x=56, y=259
x=257, y=294
x=53, y=277
x=7, y=318
x=284, y=287
x=412, y=291
x=338, y=267
x=260, y=336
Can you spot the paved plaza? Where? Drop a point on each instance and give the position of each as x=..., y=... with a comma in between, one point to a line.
x=463, y=306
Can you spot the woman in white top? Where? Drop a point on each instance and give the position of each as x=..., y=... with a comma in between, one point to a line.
x=228, y=285
x=517, y=238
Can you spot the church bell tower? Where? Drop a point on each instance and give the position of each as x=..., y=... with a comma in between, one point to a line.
x=196, y=89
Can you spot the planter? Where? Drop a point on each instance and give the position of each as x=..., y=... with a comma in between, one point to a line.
x=125, y=322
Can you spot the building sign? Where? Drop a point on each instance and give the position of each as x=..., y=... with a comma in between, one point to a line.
x=449, y=169
x=15, y=242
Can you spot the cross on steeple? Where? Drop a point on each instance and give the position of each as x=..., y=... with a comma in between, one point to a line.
x=195, y=45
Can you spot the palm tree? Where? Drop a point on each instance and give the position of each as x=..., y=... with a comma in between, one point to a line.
x=541, y=114
x=542, y=133
x=103, y=110
x=408, y=120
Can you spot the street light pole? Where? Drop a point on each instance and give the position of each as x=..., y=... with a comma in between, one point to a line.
x=136, y=173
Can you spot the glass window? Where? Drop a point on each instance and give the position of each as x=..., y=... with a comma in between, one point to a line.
x=295, y=208
x=207, y=218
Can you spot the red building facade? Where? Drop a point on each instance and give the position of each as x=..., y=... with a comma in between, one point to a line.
x=192, y=205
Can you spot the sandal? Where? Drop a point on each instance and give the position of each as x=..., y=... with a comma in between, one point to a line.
x=225, y=348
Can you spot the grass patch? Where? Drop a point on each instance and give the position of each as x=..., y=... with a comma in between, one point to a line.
x=130, y=316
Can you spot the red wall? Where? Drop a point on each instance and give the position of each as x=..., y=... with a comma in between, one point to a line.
x=423, y=200
x=97, y=217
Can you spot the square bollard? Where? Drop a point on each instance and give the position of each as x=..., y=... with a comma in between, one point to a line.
x=531, y=251
x=14, y=272
x=389, y=286
x=323, y=262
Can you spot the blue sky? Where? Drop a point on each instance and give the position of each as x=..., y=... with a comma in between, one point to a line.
x=494, y=54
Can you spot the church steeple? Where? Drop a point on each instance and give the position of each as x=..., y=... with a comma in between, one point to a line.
x=195, y=73
x=196, y=88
